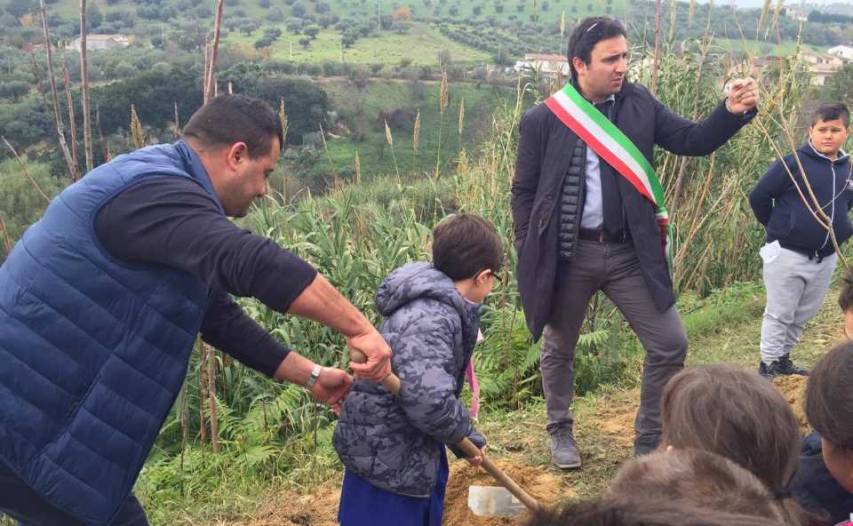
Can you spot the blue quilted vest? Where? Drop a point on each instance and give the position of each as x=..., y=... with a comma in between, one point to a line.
x=93, y=352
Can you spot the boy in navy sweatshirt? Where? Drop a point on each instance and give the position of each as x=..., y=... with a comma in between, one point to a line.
x=799, y=256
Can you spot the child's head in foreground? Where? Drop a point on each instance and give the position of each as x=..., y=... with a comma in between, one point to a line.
x=829, y=410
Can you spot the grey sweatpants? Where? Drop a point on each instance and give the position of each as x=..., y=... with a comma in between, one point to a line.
x=796, y=287
x=614, y=269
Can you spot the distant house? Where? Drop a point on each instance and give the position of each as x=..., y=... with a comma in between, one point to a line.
x=99, y=42
x=548, y=64
x=821, y=66
x=797, y=13
x=845, y=52
x=34, y=47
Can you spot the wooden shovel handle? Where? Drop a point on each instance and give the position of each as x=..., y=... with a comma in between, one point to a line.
x=392, y=384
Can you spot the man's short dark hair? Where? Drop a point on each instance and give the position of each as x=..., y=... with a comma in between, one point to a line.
x=228, y=119
x=830, y=112
x=464, y=245
x=588, y=33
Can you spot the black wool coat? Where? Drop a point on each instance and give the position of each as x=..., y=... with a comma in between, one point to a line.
x=544, y=152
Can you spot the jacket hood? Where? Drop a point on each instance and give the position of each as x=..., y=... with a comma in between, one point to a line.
x=420, y=280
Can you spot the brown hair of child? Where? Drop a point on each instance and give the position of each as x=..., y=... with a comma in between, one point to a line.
x=695, y=478
x=601, y=512
x=741, y=416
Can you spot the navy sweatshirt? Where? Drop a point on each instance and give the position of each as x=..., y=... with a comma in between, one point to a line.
x=171, y=221
x=778, y=206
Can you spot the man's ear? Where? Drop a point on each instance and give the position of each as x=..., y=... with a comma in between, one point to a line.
x=578, y=64
x=482, y=276
x=237, y=153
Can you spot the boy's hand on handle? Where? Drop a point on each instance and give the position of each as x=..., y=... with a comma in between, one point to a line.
x=375, y=355
x=333, y=385
x=477, y=461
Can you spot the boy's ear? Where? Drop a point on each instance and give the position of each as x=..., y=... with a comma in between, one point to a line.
x=482, y=276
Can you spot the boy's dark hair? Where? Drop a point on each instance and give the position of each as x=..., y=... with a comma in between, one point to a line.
x=830, y=111
x=845, y=299
x=228, y=119
x=741, y=416
x=829, y=398
x=601, y=512
x=694, y=478
x=587, y=34
x=465, y=244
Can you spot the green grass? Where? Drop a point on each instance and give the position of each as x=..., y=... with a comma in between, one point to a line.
x=421, y=45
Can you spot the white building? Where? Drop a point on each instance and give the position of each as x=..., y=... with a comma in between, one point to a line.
x=99, y=42
x=821, y=66
x=845, y=52
x=548, y=64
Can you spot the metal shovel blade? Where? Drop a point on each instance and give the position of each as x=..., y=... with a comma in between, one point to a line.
x=491, y=501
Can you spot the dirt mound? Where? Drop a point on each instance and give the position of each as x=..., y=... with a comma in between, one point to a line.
x=319, y=508
x=617, y=420
x=544, y=486
x=793, y=388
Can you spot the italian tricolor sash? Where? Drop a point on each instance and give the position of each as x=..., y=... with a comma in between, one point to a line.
x=608, y=141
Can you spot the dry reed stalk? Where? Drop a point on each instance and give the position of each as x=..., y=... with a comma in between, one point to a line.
x=765, y=9
x=443, y=101
x=461, y=118
x=137, y=134
x=777, y=12
x=26, y=171
x=282, y=116
x=177, y=122
x=104, y=142
x=211, y=396
x=185, y=423
x=691, y=13
x=57, y=116
x=72, y=123
x=210, y=84
x=7, y=242
x=202, y=390
x=357, y=168
x=390, y=140
x=84, y=90
x=416, y=133
x=673, y=13
x=656, y=59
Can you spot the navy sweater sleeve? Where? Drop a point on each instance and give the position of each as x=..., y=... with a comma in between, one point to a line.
x=172, y=221
x=771, y=185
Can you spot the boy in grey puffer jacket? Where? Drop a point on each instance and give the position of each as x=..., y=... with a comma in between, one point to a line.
x=393, y=447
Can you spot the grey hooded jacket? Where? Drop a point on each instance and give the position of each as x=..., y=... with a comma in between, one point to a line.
x=395, y=443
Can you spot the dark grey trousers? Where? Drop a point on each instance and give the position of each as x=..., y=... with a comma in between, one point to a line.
x=614, y=269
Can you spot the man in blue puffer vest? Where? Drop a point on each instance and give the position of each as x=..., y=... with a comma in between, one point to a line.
x=101, y=301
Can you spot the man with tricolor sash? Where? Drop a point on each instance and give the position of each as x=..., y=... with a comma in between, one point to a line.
x=589, y=215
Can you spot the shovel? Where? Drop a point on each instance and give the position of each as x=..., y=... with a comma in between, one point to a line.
x=482, y=500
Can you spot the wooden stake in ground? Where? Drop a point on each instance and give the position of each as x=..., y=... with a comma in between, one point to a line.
x=84, y=90
x=57, y=117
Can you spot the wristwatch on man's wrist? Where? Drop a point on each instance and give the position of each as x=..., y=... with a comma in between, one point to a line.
x=315, y=375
